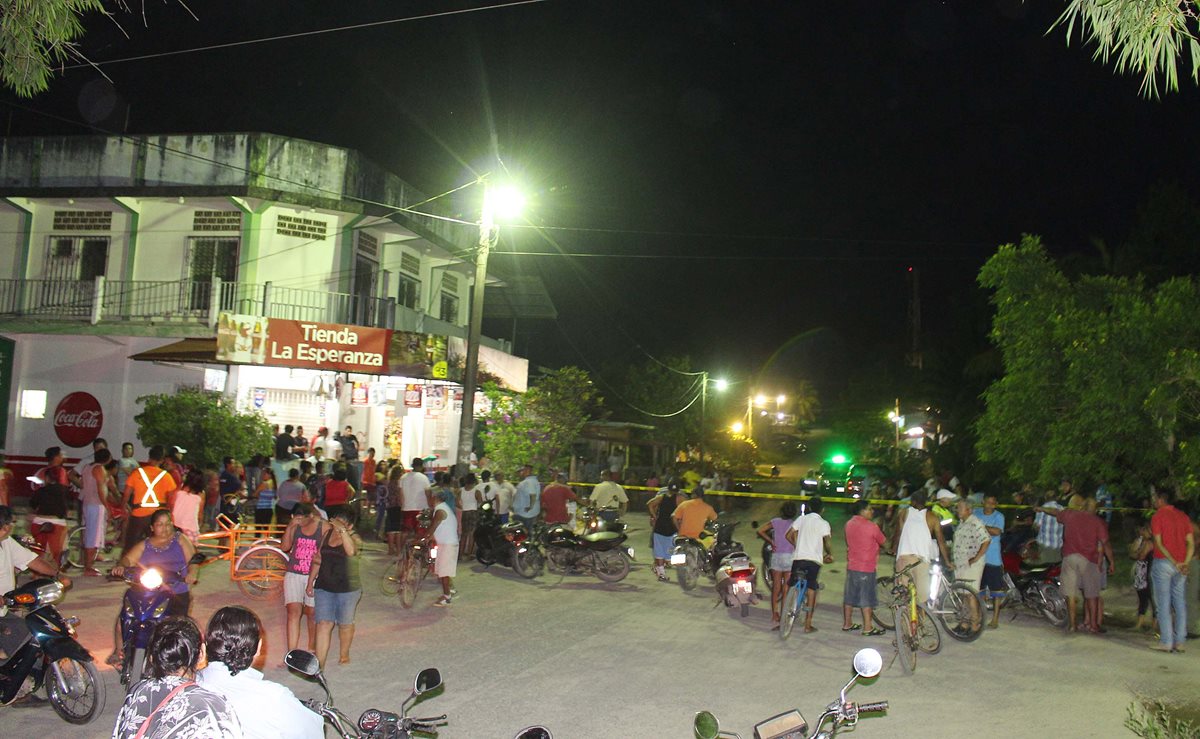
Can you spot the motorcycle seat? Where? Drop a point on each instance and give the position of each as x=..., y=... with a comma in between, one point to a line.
x=601, y=536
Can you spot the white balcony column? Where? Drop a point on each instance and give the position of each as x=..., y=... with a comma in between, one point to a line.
x=97, y=300
x=214, y=301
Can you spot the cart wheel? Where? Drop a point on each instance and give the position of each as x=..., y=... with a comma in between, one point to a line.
x=259, y=571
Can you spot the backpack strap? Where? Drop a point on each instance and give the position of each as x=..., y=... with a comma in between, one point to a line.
x=161, y=704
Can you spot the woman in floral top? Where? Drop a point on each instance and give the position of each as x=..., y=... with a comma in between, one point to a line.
x=169, y=704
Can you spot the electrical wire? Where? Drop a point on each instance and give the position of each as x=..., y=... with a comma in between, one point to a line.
x=302, y=34
x=600, y=378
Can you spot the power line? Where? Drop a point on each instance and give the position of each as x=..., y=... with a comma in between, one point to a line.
x=301, y=34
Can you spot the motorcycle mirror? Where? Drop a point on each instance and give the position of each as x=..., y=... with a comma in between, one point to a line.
x=534, y=732
x=868, y=662
x=427, y=680
x=305, y=663
x=706, y=726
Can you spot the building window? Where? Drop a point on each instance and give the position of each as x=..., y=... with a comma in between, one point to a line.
x=208, y=259
x=72, y=265
x=449, y=311
x=365, y=276
x=409, y=294
x=33, y=404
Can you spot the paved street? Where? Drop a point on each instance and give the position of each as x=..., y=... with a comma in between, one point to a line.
x=639, y=658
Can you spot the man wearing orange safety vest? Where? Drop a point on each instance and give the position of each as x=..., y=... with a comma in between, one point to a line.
x=145, y=492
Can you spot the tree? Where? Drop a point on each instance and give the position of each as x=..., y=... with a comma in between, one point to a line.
x=1101, y=376
x=35, y=36
x=805, y=402
x=1145, y=37
x=664, y=394
x=539, y=426
x=203, y=422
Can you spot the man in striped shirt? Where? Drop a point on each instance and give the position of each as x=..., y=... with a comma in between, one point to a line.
x=1049, y=530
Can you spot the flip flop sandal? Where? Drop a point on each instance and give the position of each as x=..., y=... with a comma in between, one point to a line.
x=874, y=632
x=852, y=627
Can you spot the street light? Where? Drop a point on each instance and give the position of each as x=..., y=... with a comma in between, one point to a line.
x=780, y=400
x=505, y=202
x=736, y=427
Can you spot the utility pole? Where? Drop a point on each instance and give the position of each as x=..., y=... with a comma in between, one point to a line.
x=466, y=422
x=896, y=448
x=703, y=412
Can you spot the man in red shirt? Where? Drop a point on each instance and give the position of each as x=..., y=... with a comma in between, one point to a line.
x=554, y=500
x=1174, y=545
x=1085, y=539
x=863, y=540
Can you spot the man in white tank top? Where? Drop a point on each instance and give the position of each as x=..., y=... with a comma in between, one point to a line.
x=916, y=534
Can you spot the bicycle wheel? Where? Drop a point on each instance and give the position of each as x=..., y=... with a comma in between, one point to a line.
x=793, y=606
x=75, y=547
x=906, y=650
x=960, y=609
x=389, y=584
x=410, y=581
x=259, y=572
x=883, y=616
x=928, y=638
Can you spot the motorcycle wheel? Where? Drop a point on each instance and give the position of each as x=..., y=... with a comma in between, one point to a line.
x=1055, y=608
x=389, y=584
x=961, y=611
x=528, y=564
x=612, y=566
x=410, y=580
x=689, y=571
x=83, y=697
x=928, y=639
x=484, y=556
x=906, y=649
x=745, y=610
x=884, y=618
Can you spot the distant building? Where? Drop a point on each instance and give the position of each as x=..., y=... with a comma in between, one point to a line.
x=283, y=272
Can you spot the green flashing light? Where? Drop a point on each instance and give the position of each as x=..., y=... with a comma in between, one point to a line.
x=838, y=459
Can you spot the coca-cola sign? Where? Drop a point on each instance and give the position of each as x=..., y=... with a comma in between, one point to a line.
x=78, y=419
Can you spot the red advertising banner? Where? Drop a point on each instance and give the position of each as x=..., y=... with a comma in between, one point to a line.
x=277, y=342
x=282, y=343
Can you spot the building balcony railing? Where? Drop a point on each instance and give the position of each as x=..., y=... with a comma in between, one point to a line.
x=184, y=302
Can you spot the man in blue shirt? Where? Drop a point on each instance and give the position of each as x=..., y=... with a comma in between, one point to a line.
x=992, y=584
x=527, y=501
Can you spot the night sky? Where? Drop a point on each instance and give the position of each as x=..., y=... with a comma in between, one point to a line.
x=783, y=162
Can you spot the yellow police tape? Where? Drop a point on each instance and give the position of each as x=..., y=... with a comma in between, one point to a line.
x=803, y=496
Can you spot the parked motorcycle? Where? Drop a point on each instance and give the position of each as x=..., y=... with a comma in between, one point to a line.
x=38, y=644
x=600, y=552
x=735, y=582
x=1035, y=587
x=791, y=725
x=690, y=557
x=507, y=544
x=373, y=723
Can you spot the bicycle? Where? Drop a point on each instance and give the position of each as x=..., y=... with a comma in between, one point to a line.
x=958, y=606
x=917, y=630
x=795, y=602
x=112, y=538
x=407, y=572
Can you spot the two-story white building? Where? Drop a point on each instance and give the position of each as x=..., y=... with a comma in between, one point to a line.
x=292, y=275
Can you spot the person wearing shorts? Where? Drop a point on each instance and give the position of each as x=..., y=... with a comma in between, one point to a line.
x=774, y=532
x=864, y=538
x=809, y=535
x=445, y=534
x=300, y=541
x=334, y=585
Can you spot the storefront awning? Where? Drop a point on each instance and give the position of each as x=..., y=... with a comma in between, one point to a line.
x=198, y=351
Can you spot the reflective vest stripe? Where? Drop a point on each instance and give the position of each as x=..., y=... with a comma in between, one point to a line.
x=150, y=498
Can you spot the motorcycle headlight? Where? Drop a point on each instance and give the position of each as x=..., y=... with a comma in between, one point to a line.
x=50, y=593
x=151, y=579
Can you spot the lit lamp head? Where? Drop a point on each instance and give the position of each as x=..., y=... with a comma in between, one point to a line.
x=505, y=201
x=721, y=384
